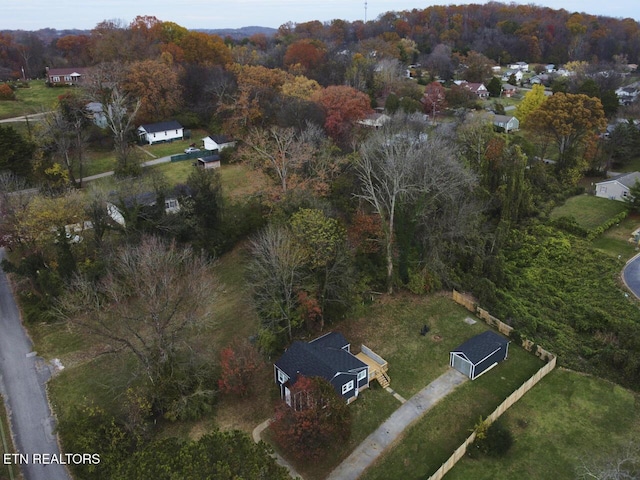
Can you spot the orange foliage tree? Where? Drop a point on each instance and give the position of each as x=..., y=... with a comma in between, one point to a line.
x=309, y=54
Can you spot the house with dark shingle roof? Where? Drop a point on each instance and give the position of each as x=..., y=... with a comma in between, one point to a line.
x=328, y=357
x=479, y=354
x=618, y=187
x=160, y=132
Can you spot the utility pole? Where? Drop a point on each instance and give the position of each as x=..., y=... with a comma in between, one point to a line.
x=365, y=11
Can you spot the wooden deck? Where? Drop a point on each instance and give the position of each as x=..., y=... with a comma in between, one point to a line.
x=378, y=367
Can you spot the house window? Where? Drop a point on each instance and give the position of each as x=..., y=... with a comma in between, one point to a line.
x=67, y=78
x=347, y=387
x=362, y=375
x=55, y=79
x=624, y=194
x=282, y=377
x=171, y=203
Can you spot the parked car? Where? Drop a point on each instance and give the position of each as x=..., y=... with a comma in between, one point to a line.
x=191, y=150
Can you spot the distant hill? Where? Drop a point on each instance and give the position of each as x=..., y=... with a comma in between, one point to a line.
x=239, y=33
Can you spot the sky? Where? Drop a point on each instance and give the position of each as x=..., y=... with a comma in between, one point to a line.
x=192, y=14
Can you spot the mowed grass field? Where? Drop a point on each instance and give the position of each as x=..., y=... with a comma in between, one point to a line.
x=35, y=99
x=588, y=211
x=565, y=420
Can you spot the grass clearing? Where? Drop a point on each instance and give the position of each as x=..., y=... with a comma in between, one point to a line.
x=615, y=241
x=588, y=211
x=35, y=99
x=565, y=419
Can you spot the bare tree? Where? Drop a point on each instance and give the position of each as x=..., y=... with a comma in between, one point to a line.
x=120, y=112
x=281, y=150
x=152, y=294
x=625, y=465
x=387, y=170
x=275, y=273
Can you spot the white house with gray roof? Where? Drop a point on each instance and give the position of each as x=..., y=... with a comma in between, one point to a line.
x=617, y=188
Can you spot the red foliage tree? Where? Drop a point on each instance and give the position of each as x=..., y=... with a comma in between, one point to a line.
x=240, y=363
x=434, y=99
x=317, y=418
x=343, y=106
x=306, y=53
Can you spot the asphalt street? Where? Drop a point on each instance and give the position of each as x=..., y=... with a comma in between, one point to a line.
x=631, y=275
x=22, y=382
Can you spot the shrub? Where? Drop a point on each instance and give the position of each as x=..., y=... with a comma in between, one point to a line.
x=493, y=440
x=6, y=92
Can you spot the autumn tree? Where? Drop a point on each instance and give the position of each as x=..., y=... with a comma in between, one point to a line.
x=477, y=67
x=571, y=120
x=317, y=419
x=307, y=54
x=343, y=106
x=257, y=98
x=156, y=86
x=434, y=99
x=204, y=49
x=531, y=101
x=152, y=295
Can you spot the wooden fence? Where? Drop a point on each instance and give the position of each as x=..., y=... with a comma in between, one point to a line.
x=549, y=357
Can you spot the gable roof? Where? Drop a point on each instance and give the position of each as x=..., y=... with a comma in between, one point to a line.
x=161, y=126
x=479, y=347
x=319, y=358
x=626, y=179
x=209, y=158
x=219, y=139
x=502, y=118
x=70, y=71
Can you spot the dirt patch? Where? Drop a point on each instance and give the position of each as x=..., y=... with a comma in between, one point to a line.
x=436, y=338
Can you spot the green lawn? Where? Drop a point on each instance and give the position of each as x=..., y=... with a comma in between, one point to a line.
x=615, y=241
x=589, y=211
x=564, y=420
x=430, y=441
x=35, y=99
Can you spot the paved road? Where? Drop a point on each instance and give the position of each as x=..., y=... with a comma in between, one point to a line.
x=22, y=383
x=24, y=118
x=375, y=444
x=631, y=275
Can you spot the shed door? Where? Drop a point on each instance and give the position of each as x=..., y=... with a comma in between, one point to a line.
x=462, y=365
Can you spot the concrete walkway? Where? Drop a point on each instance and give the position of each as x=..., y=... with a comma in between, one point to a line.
x=257, y=437
x=414, y=408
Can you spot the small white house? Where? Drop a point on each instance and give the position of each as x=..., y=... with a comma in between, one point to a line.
x=161, y=132
x=375, y=120
x=516, y=73
x=617, y=188
x=217, y=142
